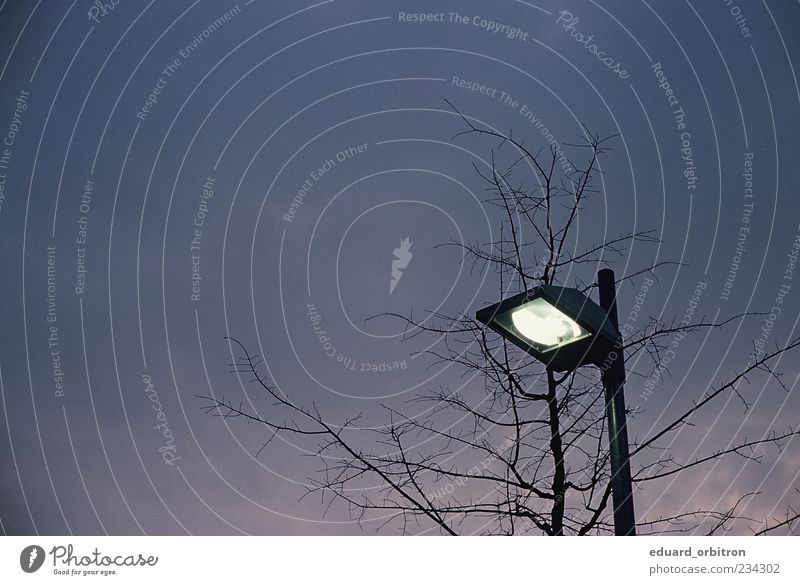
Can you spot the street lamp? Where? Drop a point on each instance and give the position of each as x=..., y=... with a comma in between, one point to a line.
x=564, y=329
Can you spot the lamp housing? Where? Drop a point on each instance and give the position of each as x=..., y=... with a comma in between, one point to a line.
x=559, y=326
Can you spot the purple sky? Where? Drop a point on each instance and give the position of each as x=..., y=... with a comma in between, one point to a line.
x=178, y=172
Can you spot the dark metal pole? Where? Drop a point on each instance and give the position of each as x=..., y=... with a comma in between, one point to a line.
x=614, y=383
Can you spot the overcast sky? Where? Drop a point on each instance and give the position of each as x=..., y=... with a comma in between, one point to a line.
x=177, y=172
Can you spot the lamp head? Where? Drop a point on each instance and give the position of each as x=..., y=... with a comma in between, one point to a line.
x=559, y=326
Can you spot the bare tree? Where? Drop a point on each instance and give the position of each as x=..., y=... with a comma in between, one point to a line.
x=528, y=453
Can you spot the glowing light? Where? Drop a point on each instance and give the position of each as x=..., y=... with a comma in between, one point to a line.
x=545, y=326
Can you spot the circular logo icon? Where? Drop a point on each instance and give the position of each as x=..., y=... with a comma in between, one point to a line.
x=31, y=558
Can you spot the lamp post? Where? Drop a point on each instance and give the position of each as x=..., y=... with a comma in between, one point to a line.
x=564, y=329
x=614, y=383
